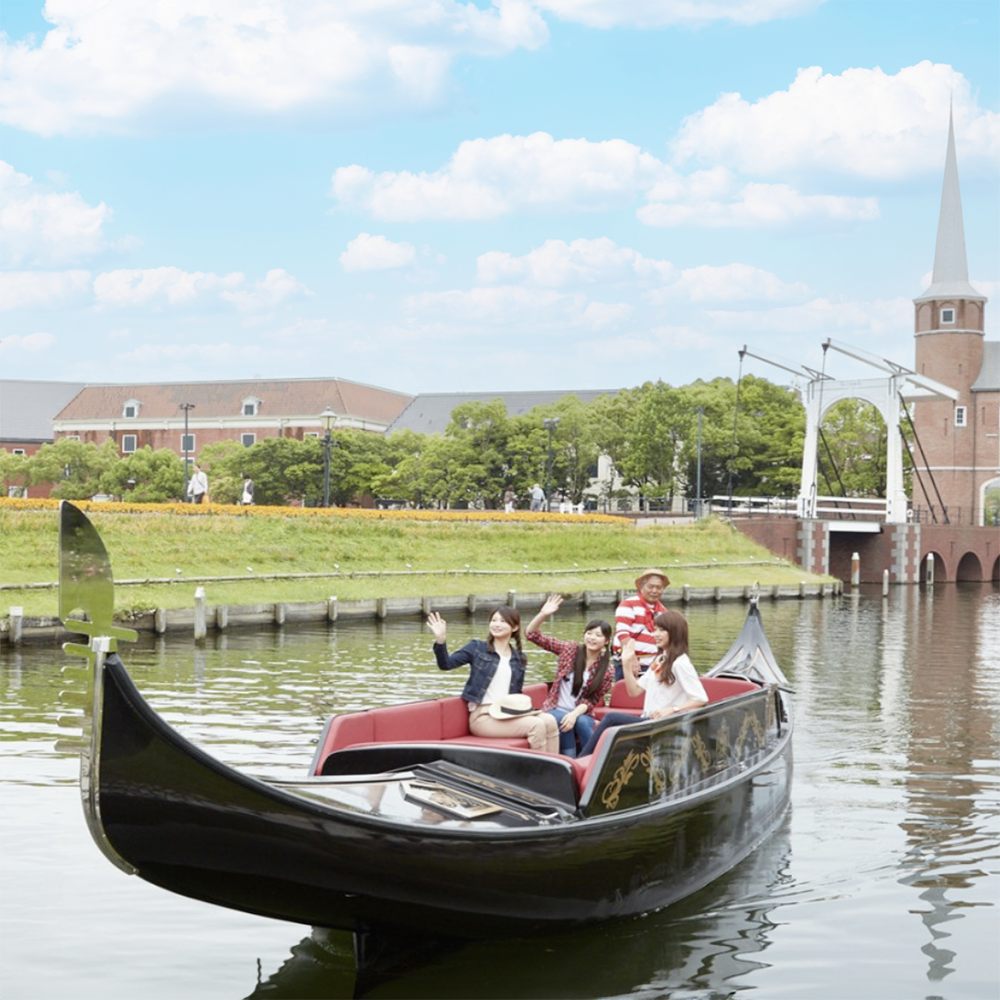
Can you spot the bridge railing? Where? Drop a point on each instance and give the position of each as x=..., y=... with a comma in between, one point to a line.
x=726, y=506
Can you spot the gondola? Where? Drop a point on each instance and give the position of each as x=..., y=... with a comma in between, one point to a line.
x=405, y=827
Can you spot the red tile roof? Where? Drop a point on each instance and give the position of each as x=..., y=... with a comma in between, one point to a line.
x=287, y=398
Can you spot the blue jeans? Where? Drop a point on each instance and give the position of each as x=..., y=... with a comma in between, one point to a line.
x=582, y=731
x=609, y=721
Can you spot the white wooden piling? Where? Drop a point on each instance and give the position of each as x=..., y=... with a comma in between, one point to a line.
x=855, y=570
x=200, y=614
x=16, y=618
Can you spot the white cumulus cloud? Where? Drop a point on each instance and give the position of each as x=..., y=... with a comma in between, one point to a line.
x=606, y=315
x=119, y=65
x=31, y=343
x=557, y=264
x=276, y=287
x=496, y=306
x=825, y=316
x=375, y=253
x=662, y=13
x=583, y=261
x=727, y=283
x=42, y=226
x=159, y=286
x=487, y=178
x=138, y=286
x=42, y=288
x=862, y=122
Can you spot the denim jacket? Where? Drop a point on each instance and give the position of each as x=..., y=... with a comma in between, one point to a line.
x=483, y=665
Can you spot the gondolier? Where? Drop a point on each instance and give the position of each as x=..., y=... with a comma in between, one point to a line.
x=634, y=619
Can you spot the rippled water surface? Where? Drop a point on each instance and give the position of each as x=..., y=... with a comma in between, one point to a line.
x=884, y=881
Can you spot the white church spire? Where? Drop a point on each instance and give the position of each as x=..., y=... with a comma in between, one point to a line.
x=950, y=278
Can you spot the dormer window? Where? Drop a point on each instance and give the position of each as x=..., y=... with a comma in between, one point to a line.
x=131, y=409
x=947, y=316
x=251, y=405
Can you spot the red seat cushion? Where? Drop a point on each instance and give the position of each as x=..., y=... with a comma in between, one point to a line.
x=622, y=700
x=346, y=730
x=719, y=688
x=454, y=718
x=416, y=722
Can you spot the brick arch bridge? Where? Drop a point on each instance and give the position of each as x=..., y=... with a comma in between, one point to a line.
x=961, y=552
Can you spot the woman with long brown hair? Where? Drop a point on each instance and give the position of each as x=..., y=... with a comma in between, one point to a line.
x=670, y=685
x=496, y=670
x=583, y=678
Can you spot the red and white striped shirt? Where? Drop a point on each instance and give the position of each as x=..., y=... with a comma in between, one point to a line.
x=634, y=617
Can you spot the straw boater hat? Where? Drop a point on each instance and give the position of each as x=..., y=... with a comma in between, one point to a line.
x=652, y=572
x=512, y=706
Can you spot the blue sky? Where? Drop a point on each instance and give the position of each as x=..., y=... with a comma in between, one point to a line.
x=430, y=195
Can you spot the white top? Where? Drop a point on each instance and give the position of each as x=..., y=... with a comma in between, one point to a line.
x=687, y=685
x=566, y=700
x=500, y=685
x=198, y=484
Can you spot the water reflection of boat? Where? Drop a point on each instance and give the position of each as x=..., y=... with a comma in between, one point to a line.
x=393, y=835
x=707, y=945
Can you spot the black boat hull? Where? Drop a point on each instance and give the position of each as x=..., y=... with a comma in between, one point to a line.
x=189, y=823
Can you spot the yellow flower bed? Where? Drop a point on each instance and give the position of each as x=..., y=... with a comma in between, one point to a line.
x=208, y=510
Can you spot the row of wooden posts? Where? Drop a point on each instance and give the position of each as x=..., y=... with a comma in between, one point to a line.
x=201, y=617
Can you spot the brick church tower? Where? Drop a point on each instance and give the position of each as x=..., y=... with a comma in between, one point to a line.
x=961, y=447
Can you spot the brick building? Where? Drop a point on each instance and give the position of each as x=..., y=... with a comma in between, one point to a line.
x=160, y=414
x=961, y=440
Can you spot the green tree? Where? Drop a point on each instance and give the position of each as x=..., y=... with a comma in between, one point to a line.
x=282, y=469
x=146, y=476
x=13, y=471
x=765, y=452
x=73, y=466
x=481, y=434
x=852, y=451
x=574, y=445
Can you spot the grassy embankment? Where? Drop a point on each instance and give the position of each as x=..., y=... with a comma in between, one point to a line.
x=145, y=546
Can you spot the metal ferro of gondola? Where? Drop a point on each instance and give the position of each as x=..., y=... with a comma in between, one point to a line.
x=86, y=586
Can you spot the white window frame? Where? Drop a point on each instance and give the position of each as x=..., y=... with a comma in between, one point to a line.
x=250, y=406
x=961, y=416
x=945, y=313
x=134, y=438
x=192, y=448
x=251, y=442
x=17, y=492
x=18, y=451
x=131, y=404
x=311, y=434
x=71, y=437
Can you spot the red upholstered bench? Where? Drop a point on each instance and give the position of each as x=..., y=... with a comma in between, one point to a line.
x=444, y=720
x=621, y=701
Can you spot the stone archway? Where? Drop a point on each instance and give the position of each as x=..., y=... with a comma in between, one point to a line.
x=937, y=573
x=970, y=569
x=989, y=502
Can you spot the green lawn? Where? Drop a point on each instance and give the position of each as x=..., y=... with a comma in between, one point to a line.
x=417, y=557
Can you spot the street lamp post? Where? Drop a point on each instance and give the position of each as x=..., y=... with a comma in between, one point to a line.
x=186, y=407
x=550, y=424
x=697, y=497
x=328, y=417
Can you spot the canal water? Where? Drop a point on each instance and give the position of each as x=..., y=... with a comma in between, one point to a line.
x=883, y=882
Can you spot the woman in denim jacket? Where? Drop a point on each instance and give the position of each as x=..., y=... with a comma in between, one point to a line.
x=496, y=668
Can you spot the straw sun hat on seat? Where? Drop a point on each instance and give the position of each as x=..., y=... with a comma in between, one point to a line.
x=512, y=706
